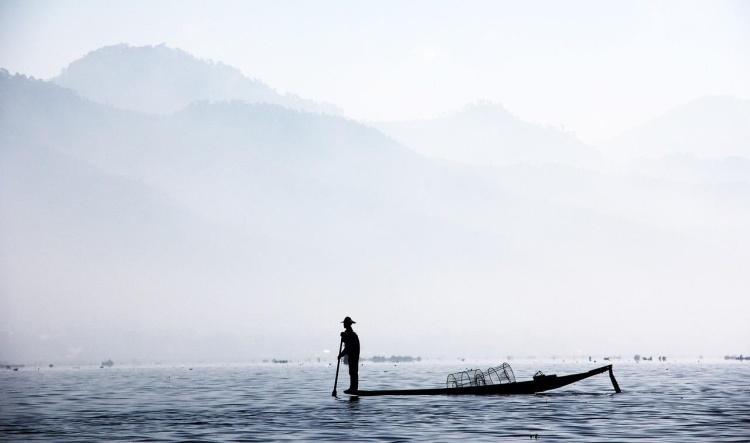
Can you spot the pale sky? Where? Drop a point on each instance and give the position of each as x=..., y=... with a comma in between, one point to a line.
x=595, y=67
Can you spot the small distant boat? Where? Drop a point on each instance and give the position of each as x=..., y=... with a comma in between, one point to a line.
x=496, y=381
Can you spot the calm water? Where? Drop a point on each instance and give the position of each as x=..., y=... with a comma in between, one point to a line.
x=660, y=401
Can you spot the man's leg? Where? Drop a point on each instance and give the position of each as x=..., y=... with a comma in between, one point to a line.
x=353, y=374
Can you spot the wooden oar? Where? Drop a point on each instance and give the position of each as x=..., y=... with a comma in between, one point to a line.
x=614, y=382
x=338, y=363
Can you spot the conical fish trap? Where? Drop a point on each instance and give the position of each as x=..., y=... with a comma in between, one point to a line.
x=469, y=377
x=475, y=377
x=500, y=374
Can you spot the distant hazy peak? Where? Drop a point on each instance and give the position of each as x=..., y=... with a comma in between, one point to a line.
x=6, y=76
x=486, y=133
x=159, y=79
x=709, y=105
x=28, y=89
x=148, y=56
x=485, y=106
x=709, y=127
x=717, y=99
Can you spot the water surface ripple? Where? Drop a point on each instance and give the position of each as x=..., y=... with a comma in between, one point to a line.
x=676, y=402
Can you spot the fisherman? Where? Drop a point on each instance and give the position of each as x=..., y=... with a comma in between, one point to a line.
x=351, y=350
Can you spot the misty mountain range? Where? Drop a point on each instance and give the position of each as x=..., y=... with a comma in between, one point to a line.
x=146, y=187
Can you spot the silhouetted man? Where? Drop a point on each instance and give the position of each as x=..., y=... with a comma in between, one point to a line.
x=351, y=350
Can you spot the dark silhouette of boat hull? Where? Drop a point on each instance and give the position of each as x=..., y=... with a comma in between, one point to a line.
x=539, y=384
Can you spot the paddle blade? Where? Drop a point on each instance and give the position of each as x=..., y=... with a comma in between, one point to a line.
x=614, y=382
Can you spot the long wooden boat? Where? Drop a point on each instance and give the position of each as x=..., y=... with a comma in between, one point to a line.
x=538, y=384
